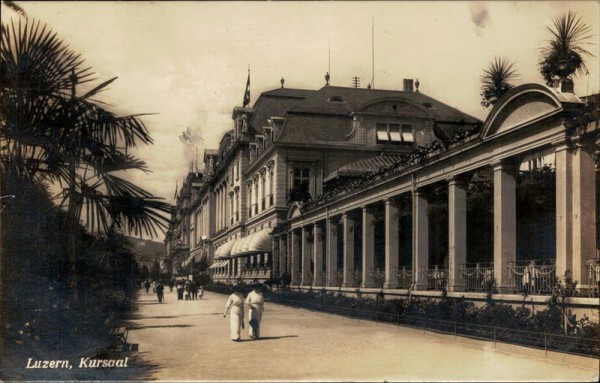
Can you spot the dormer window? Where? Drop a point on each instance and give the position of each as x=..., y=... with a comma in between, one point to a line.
x=394, y=133
x=335, y=99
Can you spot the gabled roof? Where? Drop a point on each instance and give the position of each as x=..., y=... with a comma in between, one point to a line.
x=275, y=103
x=326, y=101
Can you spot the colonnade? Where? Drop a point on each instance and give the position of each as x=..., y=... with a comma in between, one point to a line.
x=308, y=252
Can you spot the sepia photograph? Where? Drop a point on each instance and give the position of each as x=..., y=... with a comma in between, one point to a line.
x=302, y=191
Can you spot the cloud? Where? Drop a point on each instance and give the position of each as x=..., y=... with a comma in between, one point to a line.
x=480, y=16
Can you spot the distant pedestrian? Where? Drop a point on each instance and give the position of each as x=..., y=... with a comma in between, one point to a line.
x=256, y=306
x=235, y=308
x=194, y=290
x=160, y=288
x=171, y=284
x=147, y=285
x=201, y=292
x=180, y=291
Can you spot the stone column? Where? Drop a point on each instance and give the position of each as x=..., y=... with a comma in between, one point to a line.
x=457, y=231
x=391, y=243
x=332, y=251
x=368, y=246
x=420, y=239
x=318, y=254
x=505, y=221
x=275, y=250
x=348, y=249
x=283, y=266
x=584, y=210
x=306, y=252
x=564, y=208
x=295, y=256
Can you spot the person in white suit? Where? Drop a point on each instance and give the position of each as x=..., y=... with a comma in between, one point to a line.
x=235, y=308
x=256, y=306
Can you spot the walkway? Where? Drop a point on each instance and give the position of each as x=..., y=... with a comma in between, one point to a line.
x=189, y=340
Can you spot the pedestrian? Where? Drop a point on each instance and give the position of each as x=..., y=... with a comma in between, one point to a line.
x=201, y=292
x=147, y=285
x=171, y=284
x=194, y=290
x=188, y=290
x=235, y=308
x=179, y=290
x=256, y=306
x=160, y=288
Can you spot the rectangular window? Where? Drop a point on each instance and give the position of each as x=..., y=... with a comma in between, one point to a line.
x=301, y=179
x=394, y=133
x=407, y=133
x=382, y=132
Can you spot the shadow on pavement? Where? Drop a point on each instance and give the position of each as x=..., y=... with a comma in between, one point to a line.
x=163, y=326
x=274, y=337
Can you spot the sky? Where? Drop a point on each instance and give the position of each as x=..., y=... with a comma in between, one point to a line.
x=188, y=62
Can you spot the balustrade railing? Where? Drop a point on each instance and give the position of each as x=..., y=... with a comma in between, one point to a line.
x=531, y=278
x=338, y=278
x=436, y=277
x=377, y=277
x=404, y=276
x=478, y=278
x=308, y=279
x=593, y=266
x=321, y=278
x=356, y=278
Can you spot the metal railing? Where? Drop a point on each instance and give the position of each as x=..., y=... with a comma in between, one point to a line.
x=377, y=277
x=478, y=279
x=593, y=266
x=307, y=279
x=356, y=278
x=321, y=277
x=436, y=277
x=338, y=278
x=532, y=278
x=404, y=276
x=586, y=346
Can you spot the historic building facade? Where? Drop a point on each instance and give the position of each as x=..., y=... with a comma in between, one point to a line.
x=352, y=188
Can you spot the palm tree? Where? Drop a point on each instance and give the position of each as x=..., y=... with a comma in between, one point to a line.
x=496, y=80
x=564, y=54
x=51, y=135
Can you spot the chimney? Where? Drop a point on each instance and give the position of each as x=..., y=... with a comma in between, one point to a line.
x=408, y=85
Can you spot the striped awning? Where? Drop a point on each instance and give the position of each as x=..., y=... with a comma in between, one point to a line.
x=218, y=264
x=225, y=249
x=258, y=242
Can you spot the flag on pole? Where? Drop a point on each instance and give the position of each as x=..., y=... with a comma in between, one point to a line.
x=247, y=92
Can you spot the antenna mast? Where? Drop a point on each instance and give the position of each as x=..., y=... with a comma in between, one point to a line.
x=373, y=52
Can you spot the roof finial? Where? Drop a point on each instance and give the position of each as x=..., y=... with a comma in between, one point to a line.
x=417, y=85
x=327, y=77
x=282, y=81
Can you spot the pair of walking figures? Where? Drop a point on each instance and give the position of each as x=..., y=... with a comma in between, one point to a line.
x=235, y=308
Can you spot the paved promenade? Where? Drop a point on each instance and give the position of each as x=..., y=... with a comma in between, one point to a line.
x=189, y=340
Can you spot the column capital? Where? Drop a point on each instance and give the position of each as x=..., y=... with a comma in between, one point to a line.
x=584, y=143
x=459, y=180
x=563, y=143
x=390, y=201
x=508, y=165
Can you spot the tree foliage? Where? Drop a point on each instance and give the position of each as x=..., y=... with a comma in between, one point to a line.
x=496, y=80
x=564, y=54
x=51, y=134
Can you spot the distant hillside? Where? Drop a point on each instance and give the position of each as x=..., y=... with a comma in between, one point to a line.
x=147, y=248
